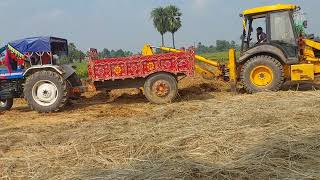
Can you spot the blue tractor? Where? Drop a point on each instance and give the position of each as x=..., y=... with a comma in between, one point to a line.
x=29, y=69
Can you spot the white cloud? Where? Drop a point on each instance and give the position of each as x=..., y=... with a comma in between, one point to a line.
x=56, y=13
x=200, y=4
x=49, y=15
x=6, y=3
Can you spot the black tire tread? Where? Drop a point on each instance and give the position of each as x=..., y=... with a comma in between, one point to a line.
x=8, y=105
x=74, y=81
x=39, y=108
x=251, y=62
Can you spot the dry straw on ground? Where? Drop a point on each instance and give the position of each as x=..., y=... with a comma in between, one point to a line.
x=204, y=136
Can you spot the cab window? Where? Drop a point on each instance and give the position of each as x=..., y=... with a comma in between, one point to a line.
x=281, y=28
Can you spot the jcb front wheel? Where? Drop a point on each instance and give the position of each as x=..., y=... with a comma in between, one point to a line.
x=6, y=105
x=262, y=73
x=161, y=88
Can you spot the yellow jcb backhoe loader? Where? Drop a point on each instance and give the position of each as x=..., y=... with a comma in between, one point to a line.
x=286, y=55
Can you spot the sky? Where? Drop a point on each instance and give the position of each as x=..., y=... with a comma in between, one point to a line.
x=126, y=24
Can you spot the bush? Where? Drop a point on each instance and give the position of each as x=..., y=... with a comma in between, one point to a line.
x=222, y=57
x=82, y=69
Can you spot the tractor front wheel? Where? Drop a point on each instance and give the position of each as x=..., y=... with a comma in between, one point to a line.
x=161, y=88
x=46, y=91
x=6, y=105
x=262, y=73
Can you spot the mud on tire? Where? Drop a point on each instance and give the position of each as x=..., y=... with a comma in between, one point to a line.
x=276, y=71
x=46, y=91
x=161, y=88
x=74, y=81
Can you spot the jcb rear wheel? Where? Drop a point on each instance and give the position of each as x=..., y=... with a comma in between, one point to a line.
x=262, y=73
x=6, y=105
x=161, y=88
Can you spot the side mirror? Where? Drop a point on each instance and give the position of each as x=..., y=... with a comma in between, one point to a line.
x=305, y=24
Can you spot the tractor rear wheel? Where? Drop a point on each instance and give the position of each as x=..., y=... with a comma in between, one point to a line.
x=46, y=91
x=6, y=105
x=262, y=73
x=161, y=88
x=74, y=81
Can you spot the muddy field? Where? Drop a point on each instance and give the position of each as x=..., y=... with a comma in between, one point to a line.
x=208, y=133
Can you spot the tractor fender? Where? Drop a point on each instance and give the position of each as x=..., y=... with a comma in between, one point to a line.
x=265, y=49
x=36, y=68
x=68, y=71
x=64, y=70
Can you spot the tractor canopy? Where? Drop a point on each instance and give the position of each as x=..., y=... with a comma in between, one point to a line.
x=40, y=44
x=34, y=50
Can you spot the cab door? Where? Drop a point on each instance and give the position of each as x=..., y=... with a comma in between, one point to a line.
x=282, y=34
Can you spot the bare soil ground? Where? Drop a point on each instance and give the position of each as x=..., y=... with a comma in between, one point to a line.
x=208, y=133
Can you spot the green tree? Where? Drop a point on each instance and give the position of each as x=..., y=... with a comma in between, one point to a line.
x=174, y=21
x=222, y=45
x=119, y=53
x=160, y=21
x=75, y=54
x=105, y=53
x=201, y=48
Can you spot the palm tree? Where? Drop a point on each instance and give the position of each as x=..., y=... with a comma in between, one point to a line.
x=160, y=21
x=174, y=21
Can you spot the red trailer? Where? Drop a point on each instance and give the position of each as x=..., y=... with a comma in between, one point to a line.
x=157, y=74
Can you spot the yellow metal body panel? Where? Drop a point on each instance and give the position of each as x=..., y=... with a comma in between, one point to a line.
x=308, y=50
x=302, y=72
x=147, y=50
x=266, y=9
x=313, y=44
x=316, y=67
x=244, y=24
x=207, y=61
x=197, y=57
x=233, y=70
x=170, y=49
x=204, y=72
x=232, y=65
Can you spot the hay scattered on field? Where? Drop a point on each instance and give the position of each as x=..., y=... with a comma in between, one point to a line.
x=261, y=136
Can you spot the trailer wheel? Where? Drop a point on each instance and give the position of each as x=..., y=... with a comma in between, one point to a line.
x=6, y=105
x=262, y=73
x=161, y=88
x=46, y=91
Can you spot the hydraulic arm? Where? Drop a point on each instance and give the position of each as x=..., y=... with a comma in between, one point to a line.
x=227, y=72
x=206, y=73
